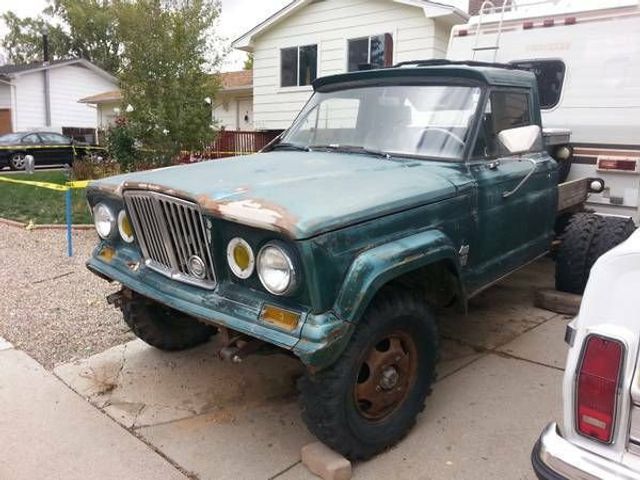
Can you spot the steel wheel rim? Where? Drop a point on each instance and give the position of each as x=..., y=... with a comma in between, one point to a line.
x=19, y=161
x=386, y=376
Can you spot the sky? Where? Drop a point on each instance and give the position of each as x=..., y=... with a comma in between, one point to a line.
x=238, y=16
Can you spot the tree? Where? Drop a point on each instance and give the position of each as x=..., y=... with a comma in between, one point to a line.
x=23, y=40
x=76, y=28
x=165, y=49
x=248, y=62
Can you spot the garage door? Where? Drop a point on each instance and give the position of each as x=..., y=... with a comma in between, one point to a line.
x=5, y=120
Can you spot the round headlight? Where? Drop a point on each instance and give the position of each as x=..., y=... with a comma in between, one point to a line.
x=124, y=227
x=240, y=258
x=104, y=220
x=276, y=270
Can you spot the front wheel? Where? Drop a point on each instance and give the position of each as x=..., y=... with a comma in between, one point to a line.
x=163, y=327
x=18, y=161
x=369, y=399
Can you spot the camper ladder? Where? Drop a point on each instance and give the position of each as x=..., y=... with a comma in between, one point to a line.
x=489, y=7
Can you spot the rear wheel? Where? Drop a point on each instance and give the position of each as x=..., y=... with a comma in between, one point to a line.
x=163, y=327
x=369, y=399
x=18, y=161
x=586, y=238
x=610, y=232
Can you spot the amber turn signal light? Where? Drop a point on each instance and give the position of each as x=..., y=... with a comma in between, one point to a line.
x=285, y=319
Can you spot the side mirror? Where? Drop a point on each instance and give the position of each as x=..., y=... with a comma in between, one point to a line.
x=521, y=139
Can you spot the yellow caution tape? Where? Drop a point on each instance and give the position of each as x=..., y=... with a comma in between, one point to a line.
x=50, y=186
x=78, y=184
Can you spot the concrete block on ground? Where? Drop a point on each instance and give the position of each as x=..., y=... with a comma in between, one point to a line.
x=324, y=462
x=5, y=345
x=559, y=302
x=47, y=431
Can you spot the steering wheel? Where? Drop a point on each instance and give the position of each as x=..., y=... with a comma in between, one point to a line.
x=445, y=131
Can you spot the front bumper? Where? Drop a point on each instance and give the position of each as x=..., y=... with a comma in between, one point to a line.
x=318, y=340
x=554, y=458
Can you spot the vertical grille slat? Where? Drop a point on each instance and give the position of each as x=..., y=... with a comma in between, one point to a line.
x=170, y=231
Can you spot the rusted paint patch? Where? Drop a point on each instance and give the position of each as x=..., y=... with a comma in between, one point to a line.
x=253, y=212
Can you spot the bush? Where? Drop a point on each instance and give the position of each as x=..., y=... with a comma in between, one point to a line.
x=121, y=145
x=92, y=168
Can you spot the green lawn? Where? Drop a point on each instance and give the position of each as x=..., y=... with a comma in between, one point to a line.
x=42, y=206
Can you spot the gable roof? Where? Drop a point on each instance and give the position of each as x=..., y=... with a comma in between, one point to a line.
x=104, y=97
x=431, y=9
x=15, y=70
x=241, y=80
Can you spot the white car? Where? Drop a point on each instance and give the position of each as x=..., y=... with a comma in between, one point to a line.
x=599, y=436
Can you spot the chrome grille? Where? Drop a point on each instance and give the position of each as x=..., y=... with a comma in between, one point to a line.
x=170, y=231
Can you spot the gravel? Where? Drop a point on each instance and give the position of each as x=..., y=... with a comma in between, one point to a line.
x=51, y=306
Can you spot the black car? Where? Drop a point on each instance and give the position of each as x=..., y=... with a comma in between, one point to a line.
x=47, y=148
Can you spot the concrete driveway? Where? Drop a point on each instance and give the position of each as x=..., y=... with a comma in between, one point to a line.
x=499, y=384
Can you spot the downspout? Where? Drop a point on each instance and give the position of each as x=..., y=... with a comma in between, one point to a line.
x=47, y=86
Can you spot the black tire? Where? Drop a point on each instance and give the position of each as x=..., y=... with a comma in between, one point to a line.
x=328, y=397
x=610, y=232
x=564, y=168
x=17, y=161
x=572, y=260
x=587, y=237
x=162, y=327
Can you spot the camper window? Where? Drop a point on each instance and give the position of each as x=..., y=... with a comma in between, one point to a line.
x=550, y=76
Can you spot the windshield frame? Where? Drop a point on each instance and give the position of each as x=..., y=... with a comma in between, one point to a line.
x=401, y=82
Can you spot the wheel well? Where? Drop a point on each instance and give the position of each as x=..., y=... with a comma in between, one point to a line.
x=438, y=281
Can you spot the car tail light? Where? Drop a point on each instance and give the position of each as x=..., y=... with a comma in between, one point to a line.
x=597, y=387
x=621, y=165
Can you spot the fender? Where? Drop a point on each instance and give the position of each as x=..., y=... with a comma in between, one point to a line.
x=375, y=267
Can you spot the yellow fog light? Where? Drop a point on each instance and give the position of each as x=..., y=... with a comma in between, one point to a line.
x=124, y=227
x=279, y=317
x=240, y=258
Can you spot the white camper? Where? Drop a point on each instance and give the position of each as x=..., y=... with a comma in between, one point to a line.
x=586, y=54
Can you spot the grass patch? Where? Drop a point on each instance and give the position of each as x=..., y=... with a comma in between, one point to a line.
x=42, y=206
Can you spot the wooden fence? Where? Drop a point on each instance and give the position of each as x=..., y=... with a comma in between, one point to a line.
x=231, y=143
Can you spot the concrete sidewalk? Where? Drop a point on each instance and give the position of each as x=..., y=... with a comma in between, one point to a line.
x=48, y=431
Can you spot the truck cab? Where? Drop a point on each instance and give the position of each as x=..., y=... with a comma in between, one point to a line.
x=394, y=192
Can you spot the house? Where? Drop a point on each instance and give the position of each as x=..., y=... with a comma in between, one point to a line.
x=44, y=96
x=312, y=38
x=233, y=109
x=107, y=105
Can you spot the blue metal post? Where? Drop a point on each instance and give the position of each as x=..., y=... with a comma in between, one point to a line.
x=68, y=215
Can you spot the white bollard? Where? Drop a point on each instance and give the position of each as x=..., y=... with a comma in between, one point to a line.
x=30, y=164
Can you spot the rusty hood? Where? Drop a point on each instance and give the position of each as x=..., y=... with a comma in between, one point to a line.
x=299, y=194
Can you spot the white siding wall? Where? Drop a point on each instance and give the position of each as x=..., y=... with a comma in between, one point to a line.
x=29, y=109
x=226, y=111
x=330, y=24
x=67, y=84
x=106, y=115
x=5, y=96
x=227, y=114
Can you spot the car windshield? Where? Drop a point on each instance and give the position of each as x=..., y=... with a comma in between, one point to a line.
x=11, y=137
x=426, y=120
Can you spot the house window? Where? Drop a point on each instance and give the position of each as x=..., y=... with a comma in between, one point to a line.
x=371, y=52
x=298, y=65
x=550, y=76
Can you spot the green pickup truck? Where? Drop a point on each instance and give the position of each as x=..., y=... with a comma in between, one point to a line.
x=395, y=193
